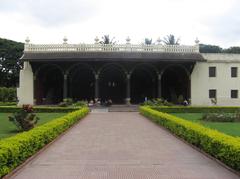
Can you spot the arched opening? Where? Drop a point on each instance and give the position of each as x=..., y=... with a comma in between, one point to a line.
x=81, y=83
x=49, y=85
x=143, y=84
x=112, y=84
x=175, y=84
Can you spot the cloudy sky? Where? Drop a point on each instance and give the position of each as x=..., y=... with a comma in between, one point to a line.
x=48, y=21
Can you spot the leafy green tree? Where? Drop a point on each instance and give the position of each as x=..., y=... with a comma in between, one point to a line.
x=107, y=40
x=204, y=48
x=232, y=50
x=171, y=40
x=10, y=64
x=148, y=41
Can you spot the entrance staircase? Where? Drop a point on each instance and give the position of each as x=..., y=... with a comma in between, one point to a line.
x=115, y=108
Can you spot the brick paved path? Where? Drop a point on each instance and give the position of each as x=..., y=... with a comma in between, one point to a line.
x=121, y=146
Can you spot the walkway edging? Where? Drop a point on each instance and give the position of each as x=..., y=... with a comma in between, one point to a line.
x=45, y=147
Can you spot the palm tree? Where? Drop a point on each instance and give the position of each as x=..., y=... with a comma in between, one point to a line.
x=171, y=40
x=106, y=40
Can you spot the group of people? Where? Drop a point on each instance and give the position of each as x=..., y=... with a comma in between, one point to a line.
x=99, y=102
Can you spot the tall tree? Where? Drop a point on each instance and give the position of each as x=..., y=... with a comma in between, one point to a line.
x=232, y=50
x=10, y=64
x=148, y=41
x=204, y=48
x=107, y=40
x=171, y=40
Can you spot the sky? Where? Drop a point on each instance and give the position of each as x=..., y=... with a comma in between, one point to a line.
x=48, y=21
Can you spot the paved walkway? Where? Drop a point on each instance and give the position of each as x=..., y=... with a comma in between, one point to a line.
x=121, y=146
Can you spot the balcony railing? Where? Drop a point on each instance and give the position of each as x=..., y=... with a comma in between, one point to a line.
x=110, y=48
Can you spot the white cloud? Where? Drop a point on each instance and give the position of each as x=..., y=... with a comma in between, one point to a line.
x=215, y=21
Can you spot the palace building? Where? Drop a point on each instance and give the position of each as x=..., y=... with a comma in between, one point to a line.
x=127, y=74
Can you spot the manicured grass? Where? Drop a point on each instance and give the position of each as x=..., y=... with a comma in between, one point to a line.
x=230, y=128
x=8, y=129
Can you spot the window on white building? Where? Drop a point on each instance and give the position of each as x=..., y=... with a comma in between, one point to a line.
x=212, y=71
x=234, y=93
x=234, y=71
x=213, y=93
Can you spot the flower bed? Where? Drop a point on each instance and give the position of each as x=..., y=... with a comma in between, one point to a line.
x=223, y=147
x=15, y=150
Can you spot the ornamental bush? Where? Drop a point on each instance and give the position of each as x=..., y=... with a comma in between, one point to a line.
x=24, y=119
x=15, y=150
x=221, y=146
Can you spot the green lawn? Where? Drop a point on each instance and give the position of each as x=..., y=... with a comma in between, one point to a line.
x=230, y=128
x=8, y=129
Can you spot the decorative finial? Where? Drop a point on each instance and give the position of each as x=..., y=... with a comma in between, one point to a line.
x=65, y=40
x=128, y=40
x=159, y=40
x=197, y=41
x=27, y=40
x=96, y=40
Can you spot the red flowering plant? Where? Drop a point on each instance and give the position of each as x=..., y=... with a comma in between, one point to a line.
x=24, y=119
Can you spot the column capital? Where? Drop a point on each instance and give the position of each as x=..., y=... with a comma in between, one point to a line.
x=159, y=76
x=65, y=76
x=128, y=75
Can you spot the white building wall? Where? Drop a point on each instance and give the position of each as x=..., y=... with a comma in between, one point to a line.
x=25, y=90
x=201, y=83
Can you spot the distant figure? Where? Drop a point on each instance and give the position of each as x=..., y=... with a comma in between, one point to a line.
x=185, y=102
x=145, y=99
x=91, y=103
x=109, y=102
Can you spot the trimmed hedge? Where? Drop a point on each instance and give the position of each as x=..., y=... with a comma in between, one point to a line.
x=15, y=150
x=221, y=146
x=193, y=109
x=11, y=109
x=8, y=103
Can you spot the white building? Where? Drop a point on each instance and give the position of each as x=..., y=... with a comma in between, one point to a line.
x=127, y=73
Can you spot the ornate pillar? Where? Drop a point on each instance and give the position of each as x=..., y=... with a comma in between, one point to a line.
x=96, y=93
x=128, y=89
x=159, y=88
x=65, y=89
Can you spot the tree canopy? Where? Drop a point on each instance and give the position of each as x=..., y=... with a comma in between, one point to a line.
x=10, y=64
x=171, y=40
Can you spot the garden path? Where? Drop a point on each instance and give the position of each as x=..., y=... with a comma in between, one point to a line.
x=114, y=145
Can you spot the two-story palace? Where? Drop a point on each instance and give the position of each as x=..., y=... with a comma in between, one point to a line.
x=127, y=73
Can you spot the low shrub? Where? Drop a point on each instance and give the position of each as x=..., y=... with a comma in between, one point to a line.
x=221, y=117
x=193, y=109
x=157, y=102
x=8, y=103
x=15, y=150
x=38, y=109
x=221, y=146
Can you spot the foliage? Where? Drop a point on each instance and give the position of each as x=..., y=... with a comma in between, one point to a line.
x=221, y=117
x=147, y=41
x=171, y=40
x=107, y=40
x=66, y=102
x=38, y=109
x=193, y=109
x=10, y=64
x=15, y=150
x=204, y=48
x=24, y=119
x=232, y=50
x=223, y=147
x=8, y=103
x=8, y=94
x=80, y=104
x=157, y=102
